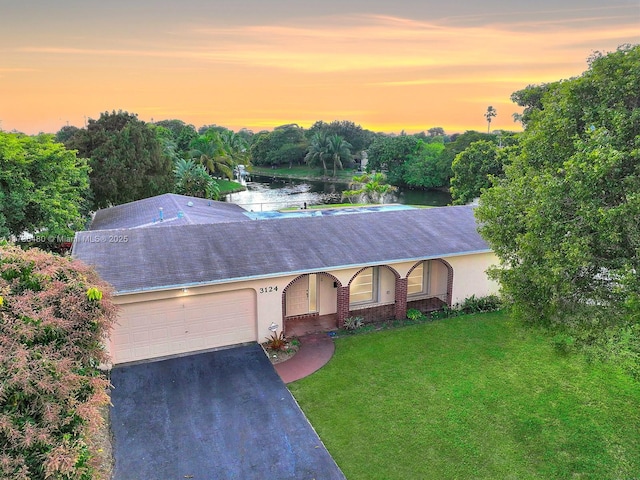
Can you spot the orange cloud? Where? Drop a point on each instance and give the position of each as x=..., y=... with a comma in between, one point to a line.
x=385, y=72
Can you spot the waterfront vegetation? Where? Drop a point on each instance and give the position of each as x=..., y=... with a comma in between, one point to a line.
x=477, y=396
x=229, y=186
x=304, y=172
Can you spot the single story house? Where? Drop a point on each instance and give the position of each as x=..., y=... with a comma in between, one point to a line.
x=192, y=274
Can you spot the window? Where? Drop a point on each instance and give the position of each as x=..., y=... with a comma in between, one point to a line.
x=363, y=288
x=418, y=280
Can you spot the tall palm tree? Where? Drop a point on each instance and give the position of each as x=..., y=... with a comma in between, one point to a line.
x=318, y=152
x=236, y=147
x=193, y=179
x=490, y=113
x=338, y=150
x=208, y=149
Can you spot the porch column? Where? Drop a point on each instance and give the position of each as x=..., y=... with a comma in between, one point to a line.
x=343, y=305
x=401, y=298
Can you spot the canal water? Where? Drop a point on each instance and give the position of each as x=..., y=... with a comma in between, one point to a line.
x=266, y=194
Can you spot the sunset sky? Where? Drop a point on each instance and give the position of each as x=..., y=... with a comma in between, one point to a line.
x=386, y=65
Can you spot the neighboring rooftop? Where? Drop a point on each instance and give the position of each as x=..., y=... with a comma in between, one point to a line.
x=138, y=259
x=176, y=210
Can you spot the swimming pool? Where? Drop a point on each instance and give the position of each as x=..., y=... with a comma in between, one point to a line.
x=326, y=212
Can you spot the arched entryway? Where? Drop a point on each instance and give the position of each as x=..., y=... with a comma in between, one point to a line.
x=310, y=304
x=374, y=292
x=430, y=285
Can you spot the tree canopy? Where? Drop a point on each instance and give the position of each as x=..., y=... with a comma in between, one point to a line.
x=209, y=150
x=43, y=186
x=564, y=220
x=411, y=160
x=474, y=168
x=126, y=157
x=194, y=180
x=286, y=144
x=355, y=135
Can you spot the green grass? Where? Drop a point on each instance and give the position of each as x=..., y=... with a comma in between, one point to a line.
x=472, y=397
x=228, y=186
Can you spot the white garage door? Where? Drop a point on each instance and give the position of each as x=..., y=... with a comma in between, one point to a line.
x=186, y=324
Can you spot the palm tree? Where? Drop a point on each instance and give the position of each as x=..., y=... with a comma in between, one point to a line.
x=369, y=187
x=208, y=149
x=491, y=112
x=193, y=179
x=338, y=149
x=236, y=147
x=318, y=152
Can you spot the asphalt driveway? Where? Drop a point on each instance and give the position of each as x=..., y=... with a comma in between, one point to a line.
x=216, y=415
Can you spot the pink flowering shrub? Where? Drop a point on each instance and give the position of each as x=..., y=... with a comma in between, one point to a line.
x=51, y=389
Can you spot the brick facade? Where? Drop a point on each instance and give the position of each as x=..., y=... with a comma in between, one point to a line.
x=426, y=305
x=375, y=314
x=343, y=305
x=372, y=314
x=401, y=298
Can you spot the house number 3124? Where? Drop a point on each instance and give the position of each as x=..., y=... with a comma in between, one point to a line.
x=268, y=289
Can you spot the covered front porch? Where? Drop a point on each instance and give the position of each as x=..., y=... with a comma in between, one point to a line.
x=318, y=302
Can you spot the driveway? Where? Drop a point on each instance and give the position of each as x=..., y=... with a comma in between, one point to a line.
x=217, y=415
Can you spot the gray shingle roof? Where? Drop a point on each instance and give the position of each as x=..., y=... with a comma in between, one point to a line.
x=153, y=258
x=176, y=210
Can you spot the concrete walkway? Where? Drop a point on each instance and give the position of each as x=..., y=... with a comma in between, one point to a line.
x=315, y=351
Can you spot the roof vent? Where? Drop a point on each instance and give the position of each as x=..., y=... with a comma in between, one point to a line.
x=189, y=204
x=161, y=214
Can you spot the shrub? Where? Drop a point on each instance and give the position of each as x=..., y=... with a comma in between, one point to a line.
x=474, y=304
x=353, y=323
x=50, y=348
x=415, y=314
x=276, y=341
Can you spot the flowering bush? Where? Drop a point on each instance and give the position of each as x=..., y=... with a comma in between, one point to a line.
x=51, y=336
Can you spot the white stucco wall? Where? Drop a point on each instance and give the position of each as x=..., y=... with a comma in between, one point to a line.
x=469, y=276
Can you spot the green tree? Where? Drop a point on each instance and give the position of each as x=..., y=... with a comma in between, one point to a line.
x=318, y=152
x=436, y=132
x=371, y=188
x=66, y=133
x=489, y=115
x=286, y=144
x=126, y=158
x=564, y=220
x=209, y=151
x=423, y=169
x=531, y=99
x=181, y=133
x=43, y=186
x=193, y=179
x=236, y=147
x=339, y=151
x=473, y=169
x=390, y=154
x=355, y=135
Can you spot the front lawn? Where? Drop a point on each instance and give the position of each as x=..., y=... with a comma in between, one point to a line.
x=475, y=396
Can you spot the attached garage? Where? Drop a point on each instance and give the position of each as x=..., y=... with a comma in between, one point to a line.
x=191, y=274
x=188, y=323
